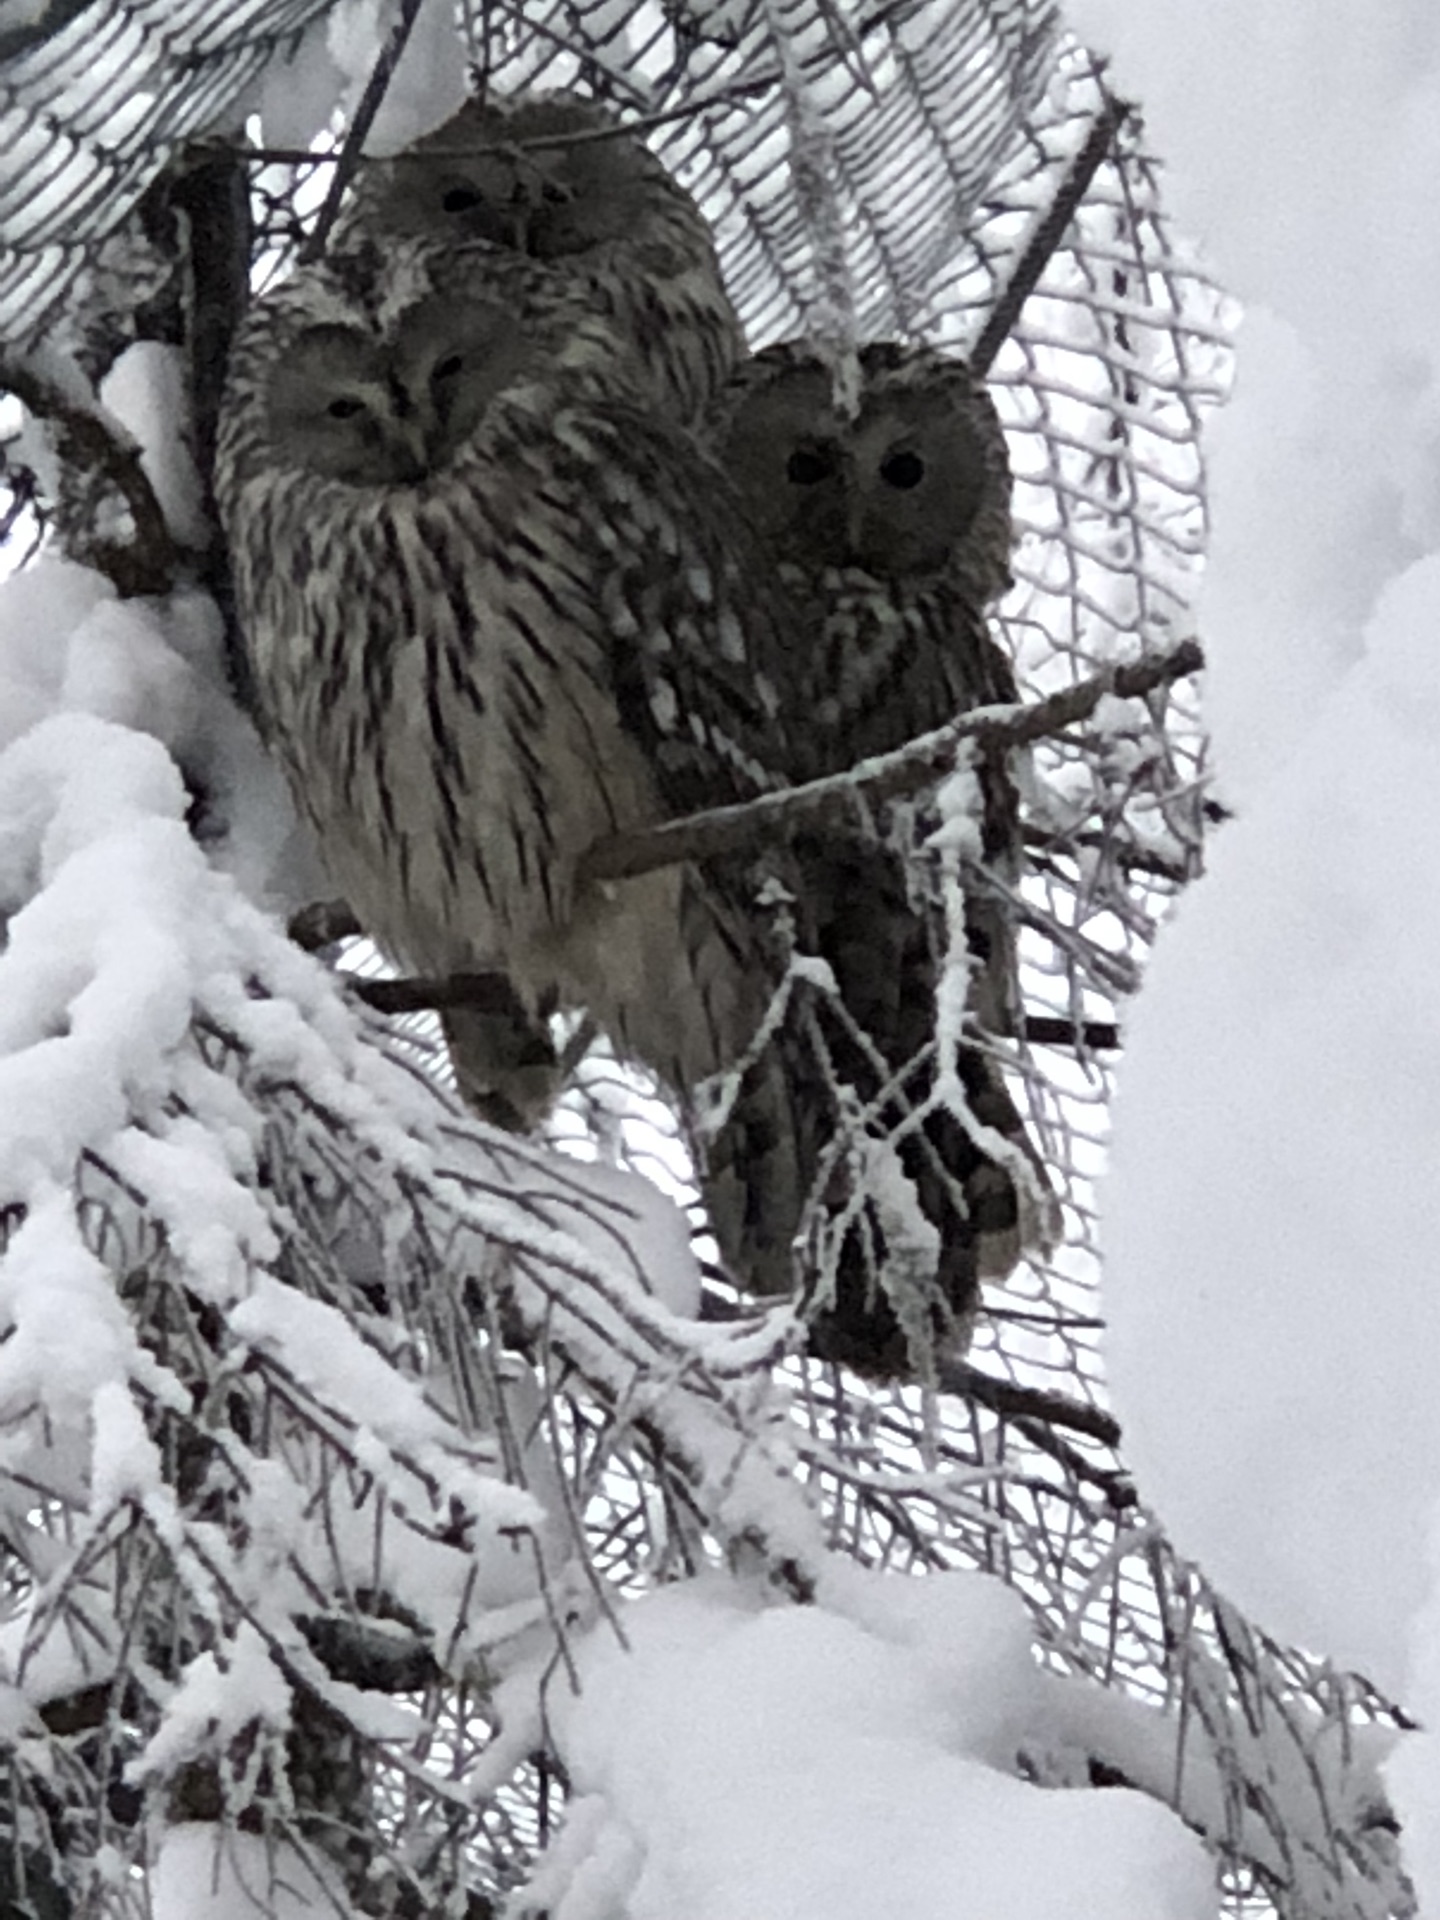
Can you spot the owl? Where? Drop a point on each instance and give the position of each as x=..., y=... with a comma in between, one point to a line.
x=556, y=178
x=496, y=613
x=890, y=531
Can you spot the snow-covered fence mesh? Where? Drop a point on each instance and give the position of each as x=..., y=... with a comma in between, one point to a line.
x=335, y=1426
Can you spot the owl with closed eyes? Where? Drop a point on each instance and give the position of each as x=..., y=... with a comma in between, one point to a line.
x=497, y=611
x=889, y=527
x=557, y=178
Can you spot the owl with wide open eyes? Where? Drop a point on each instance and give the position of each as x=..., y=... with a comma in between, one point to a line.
x=893, y=527
x=558, y=178
x=889, y=526
x=496, y=613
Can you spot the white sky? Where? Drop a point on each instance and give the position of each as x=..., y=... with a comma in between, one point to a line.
x=1271, y=1220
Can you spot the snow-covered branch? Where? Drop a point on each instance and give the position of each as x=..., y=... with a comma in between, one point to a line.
x=891, y=776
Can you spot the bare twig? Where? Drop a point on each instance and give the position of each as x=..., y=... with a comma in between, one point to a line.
x=1047, y=236
x=481, y=992
x=1034, y=1403
x=84, y=440
x=752, y=823
x=349, y=156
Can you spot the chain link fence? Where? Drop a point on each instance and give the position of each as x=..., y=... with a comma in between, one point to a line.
x=889, y=165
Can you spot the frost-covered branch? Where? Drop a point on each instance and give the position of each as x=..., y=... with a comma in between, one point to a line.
x=96, y=449
x=890, y=776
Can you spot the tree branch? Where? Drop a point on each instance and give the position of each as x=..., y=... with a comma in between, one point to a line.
x=480, y=992
x=86, y=441
x=1033, y=1403
x=754, y=823
x=1041, y=246
x=349, y=156
x=889, y=776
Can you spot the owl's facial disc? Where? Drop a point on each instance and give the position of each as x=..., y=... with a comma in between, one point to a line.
x=483, y=203
x=918, y=481
x=894, y=492
x=452, y=358
x=333, y=411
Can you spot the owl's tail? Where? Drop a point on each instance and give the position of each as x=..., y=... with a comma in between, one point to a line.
x=849, y=1171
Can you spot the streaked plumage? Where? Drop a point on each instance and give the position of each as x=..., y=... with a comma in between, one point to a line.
x=555, y=179
x=891, y=534
x=495, y=613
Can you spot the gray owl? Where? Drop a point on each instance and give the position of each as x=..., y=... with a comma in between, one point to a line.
x=556, y=178
x=891, y=533
x=495, y=614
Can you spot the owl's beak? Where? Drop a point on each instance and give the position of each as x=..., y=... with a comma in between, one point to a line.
x=408, y=451
x=857, y=520
x=855, y=517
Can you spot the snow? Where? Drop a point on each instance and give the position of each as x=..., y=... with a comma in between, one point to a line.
x=69, y=1339
x=214, y=1705
x=323, y=1351
x=68, y=642
x=427, y=86
x=774, y=1760
x=145, y=390
x=1273, y=1213
x=205, y=1872
x=635, y=1224
x=1298, y=143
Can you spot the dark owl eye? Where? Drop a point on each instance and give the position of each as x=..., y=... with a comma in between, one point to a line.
x=345, y=407
x=461, y=198
x=807, y=466
x=903, y=470
x=448, y=368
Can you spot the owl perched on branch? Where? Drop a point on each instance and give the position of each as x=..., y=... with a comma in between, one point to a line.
x=558, y=179
x=497, y=611
x=890, y=530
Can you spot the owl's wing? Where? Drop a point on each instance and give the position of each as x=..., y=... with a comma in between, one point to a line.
x=694, y=611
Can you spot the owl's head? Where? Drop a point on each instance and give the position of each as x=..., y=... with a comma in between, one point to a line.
x=553, y=176
x=390, y=406
x=917, y=483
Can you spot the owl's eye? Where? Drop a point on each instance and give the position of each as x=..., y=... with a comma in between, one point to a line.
x=345, y=407
x=447, y=369
x=902, y=470
x=807, y=466
x=461, y=198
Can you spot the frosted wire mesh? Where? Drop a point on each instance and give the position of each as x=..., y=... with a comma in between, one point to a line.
x=937, y=134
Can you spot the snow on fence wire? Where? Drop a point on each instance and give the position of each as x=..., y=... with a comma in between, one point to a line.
x=495, y=1291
